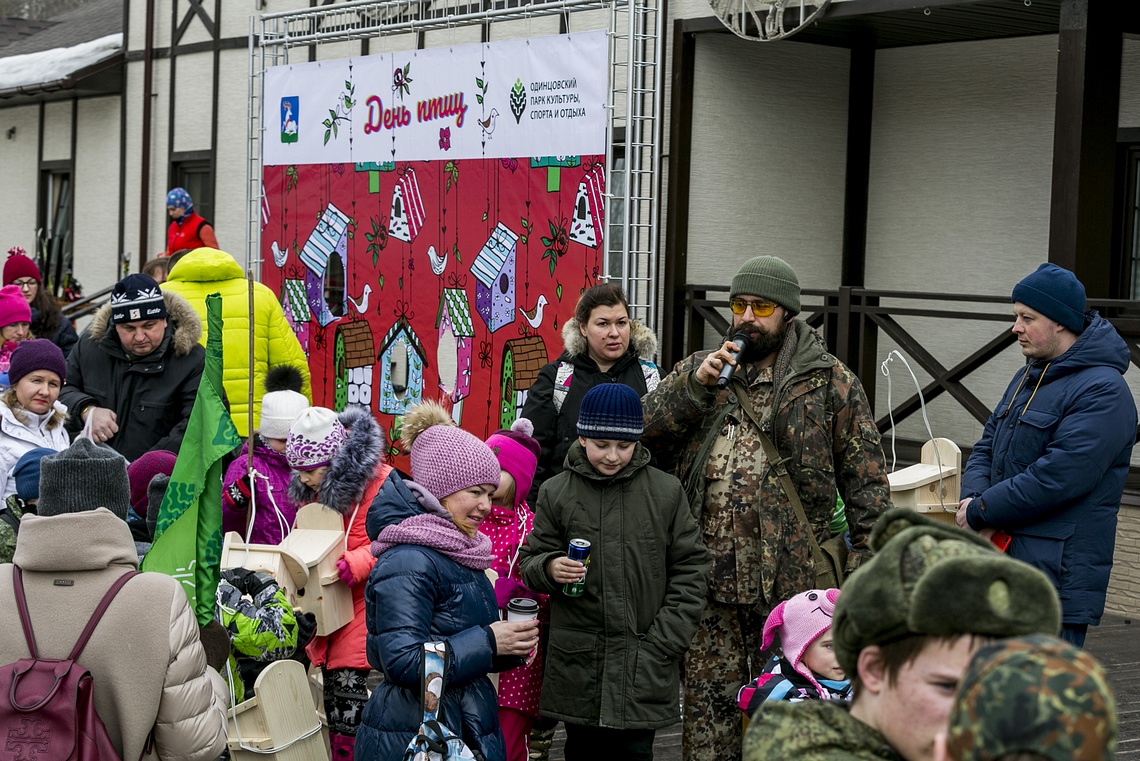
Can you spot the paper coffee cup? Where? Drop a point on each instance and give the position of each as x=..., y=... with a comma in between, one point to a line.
x=522, y=609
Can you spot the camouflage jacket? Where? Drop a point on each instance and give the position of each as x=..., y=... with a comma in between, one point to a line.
x=14, y=506
x=818, y=417
x=813, y=730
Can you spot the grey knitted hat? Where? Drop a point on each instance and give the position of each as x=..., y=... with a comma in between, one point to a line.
x=83, y=477
x=768, y=277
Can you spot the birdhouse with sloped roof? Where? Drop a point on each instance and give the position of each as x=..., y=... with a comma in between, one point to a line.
x=456, y=336
x=522, y=359
x=408, y=213
x=325, y=256
x=402, y=359
x=352, y=364
x=586, y=227
x=295, y=304
x=494, y=269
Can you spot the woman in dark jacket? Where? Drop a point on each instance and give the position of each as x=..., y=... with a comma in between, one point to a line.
x=429, y=585
x=602, y=345
x=47, y=319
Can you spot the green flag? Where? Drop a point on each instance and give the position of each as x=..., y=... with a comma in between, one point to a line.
x=188, y=537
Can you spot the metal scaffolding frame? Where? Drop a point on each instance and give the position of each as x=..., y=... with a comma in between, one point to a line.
x=633, y=135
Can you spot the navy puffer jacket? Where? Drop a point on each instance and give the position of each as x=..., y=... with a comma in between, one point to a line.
x=1050, y=467
x=417, y=595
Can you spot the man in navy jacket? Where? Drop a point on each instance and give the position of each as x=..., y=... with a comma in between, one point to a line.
x=1050, y=467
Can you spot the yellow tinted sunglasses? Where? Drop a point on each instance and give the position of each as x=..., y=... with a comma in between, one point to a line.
x=759, y=308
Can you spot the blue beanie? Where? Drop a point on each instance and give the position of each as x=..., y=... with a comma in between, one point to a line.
x=27, y=473
x=1056, y=293
x=611, y=411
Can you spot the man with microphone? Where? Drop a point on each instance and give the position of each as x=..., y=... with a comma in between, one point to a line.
x=773, y=377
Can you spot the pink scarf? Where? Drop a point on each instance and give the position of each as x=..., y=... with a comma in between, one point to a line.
x=439, y=534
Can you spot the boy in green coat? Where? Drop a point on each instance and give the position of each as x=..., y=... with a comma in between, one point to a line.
x=612, y=670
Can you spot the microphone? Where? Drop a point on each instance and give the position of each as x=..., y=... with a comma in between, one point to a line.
x=726, y=372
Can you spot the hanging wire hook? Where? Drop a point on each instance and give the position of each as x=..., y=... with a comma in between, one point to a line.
x=884, y=368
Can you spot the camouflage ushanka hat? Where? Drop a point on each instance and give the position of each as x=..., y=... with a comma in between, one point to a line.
x=929, y=578
x=1033, y=694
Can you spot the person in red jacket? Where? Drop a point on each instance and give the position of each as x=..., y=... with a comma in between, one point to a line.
x=188, y=229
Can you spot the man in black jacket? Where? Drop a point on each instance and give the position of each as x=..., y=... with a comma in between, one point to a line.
x=133, y=376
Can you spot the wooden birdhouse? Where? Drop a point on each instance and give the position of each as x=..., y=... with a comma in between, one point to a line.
x=352, y=362
x=933, y=484
x=325, y=256
x=456, y=335
x=296, y=307
x=494, y=269
x=318, y=539
x=587, y=226
x=402, y=359
x=290, y=571
x=522, y=359
x=408, y=214
x=281, y=721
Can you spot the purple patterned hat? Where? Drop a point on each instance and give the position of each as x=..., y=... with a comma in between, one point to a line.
x=314, y=439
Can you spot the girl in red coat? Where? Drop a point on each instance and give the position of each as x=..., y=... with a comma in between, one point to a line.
x=339, y=463
x=188, y=229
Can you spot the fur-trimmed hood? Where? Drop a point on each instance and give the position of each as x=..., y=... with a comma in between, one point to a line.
x=352, y=467
x=641, y=339
x=187, y=326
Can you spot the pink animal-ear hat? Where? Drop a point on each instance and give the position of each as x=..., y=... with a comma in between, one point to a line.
x=800, y=621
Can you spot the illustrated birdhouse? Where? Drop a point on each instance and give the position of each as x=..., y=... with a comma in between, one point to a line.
x=554, y=165
x=589, y=209
x=352, y=363
x=325, y=257
x=407, y=215
x=522, y=359
x=296, y=307
x=494, y=269
x=456, y=335
x=402, y=361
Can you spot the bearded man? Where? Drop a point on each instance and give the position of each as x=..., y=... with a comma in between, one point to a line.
x=813, y=409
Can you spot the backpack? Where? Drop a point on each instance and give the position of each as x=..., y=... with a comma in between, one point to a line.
x=433, y=741
x=47, y=705
x=565, y=374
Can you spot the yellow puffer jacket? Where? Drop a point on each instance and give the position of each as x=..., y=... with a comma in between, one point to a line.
x=207, y=270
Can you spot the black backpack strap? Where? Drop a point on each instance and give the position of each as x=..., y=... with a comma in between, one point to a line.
x=11, y=520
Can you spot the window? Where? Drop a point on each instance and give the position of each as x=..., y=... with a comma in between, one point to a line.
x=55, y=231
x=194, y=171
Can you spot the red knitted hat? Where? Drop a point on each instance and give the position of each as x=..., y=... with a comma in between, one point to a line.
x=19, y=266
x=141, y=471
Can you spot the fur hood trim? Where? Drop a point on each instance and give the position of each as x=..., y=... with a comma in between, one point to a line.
x=641, y=339
x=352, y=467
x=187, y=324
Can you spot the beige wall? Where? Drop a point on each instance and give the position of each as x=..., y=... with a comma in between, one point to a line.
x=18, y=156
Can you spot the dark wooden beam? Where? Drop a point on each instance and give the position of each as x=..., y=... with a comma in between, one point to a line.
x=860, y=100
x=1084, y=142
x=680, y=171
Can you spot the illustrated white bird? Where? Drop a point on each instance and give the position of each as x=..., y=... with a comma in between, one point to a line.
x=534, y=316
x=362, y=305
x=488, y=124
x=279, y=256
x=438, y=263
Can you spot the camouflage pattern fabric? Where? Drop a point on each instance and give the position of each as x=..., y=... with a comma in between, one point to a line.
x=715, y=666
x=1033, y=694
x=264, y=628
x=814, y=730
x=817, y=415
x=14, y=505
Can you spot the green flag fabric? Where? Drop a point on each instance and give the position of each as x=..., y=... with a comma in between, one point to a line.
x=188, y=537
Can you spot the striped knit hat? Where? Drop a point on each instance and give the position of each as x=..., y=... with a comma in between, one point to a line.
x=611, y=411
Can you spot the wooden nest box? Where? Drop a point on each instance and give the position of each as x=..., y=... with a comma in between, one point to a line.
x=925, y=488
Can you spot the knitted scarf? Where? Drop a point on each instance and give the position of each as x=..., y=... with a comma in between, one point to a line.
x=441, y=535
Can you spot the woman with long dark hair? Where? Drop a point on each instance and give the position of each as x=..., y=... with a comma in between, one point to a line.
x=47, y=318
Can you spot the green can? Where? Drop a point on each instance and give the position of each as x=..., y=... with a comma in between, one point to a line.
x=579, y=550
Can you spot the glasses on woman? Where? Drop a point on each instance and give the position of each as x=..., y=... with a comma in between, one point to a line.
x=759, y=308
x=25, y=285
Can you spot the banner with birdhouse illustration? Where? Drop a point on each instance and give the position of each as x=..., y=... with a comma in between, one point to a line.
x=440, y=269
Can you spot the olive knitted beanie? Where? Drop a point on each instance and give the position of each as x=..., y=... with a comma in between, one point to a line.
x=768, y=277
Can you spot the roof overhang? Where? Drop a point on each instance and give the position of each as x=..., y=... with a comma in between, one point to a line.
x=91, y=68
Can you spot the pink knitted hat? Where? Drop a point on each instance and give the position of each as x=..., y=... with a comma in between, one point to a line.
x=518, y=451
x=446, y=458
x=800, y=621
x=13, y=306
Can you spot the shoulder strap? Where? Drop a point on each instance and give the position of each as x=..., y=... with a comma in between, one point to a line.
x=651, y=374
x=562, y=384
x=88, y=630
x=435, y=661
x=11, y=520
x=780, y=465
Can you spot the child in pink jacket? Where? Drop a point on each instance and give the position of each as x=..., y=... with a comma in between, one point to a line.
x=507, y=526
